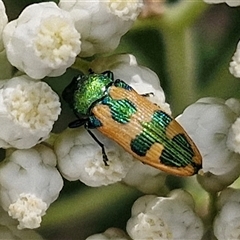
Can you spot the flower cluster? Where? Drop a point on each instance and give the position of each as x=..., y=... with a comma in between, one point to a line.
x=3, y=22
x=28, y=110
x=46, y=38
x=231, y=3
x=226, y=224
x=220, y=151
x=98, y=16
x=29, y=183
x=154, y=217
x=44, y=41
x=80, y=157
x=213, y=124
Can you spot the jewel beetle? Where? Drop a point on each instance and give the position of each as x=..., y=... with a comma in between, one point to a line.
x=138, y=125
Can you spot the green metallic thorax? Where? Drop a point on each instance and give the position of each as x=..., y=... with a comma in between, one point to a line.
x=90, y=89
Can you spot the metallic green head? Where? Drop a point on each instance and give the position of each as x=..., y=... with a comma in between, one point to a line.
x=85, y=90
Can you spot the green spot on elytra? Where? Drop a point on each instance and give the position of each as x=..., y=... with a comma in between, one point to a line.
x=121, y=110
x=177, y=152
x=180, y=154
x=152, y=132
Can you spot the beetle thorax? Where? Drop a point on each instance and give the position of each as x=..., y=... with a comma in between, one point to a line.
x=90, y=90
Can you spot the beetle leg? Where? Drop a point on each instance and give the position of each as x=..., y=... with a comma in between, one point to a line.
x=120, y=83
x=105, y=158
x=106, y=73
x=77, y=123
x=109, y=74
x=149, y=94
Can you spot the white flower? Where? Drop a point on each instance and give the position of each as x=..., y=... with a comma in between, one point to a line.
x=42, y=41
x=234, y=67
x=231, y=3
x=29, y=184
x=28, y=110
x=164, y=218
x=6, y=70
x=9, y=230
x=101, y=23
x=28, y=210
x=3, y=22
x=209, y=123
x=227, y=222
x=142, y=79
x=124, y=9
x=145, y=178
x=111, y=233
x=80, y=157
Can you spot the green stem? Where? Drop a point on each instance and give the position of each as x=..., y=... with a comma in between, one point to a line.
x=175, y=25
x=183, y=14
x=81, y=65
x=180, y=55
x=87, y=204
x=181, y=67
x=6, y=68
x=179, y=15
x=212, y=211
x=222, y=82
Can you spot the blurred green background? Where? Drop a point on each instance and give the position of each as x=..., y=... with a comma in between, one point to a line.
x=190, y=47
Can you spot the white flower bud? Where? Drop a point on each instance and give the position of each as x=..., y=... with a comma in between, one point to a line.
x=80, y=157
x=3, y=22
x=110, y=234
x=9, y=230
x=126, y=10
x=234, y=67
x=101, y=23
x=29, y=184
x=145, y=178
x=170, y=217
x=28, y=210
x=6, y=69
x=42, y=41
x=231, y=3
x=226, y=223
x=209, y=122
x=142, y=79
x=233, y=140
x=28, y=110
